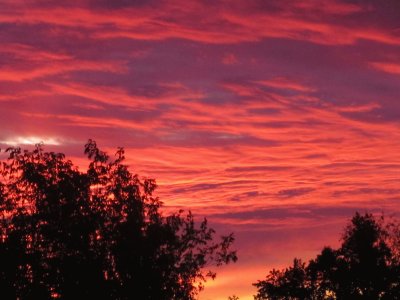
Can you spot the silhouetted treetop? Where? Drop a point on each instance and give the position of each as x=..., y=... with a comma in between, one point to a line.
x=97, y=234
x=366, y=266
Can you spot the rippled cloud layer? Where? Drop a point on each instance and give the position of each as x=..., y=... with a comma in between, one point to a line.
x=276, y=119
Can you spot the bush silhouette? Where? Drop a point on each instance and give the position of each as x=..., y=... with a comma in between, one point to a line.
x=366, y=266
x=99, y=234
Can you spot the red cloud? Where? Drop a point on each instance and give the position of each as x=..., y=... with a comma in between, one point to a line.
x=34, y=63
x=271, y=118
x=391, y=68
x=189, y=20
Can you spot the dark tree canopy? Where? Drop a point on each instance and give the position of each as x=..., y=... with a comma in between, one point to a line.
x=98, y=234
x=366, y=266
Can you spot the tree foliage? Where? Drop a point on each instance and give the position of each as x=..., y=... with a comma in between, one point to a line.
x=97, y=234
x=366, y=266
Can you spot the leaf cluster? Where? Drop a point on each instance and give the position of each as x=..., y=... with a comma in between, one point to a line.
x=365, y=266
x=98, y=234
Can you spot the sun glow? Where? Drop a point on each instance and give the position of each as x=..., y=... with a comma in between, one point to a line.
x=31, y=140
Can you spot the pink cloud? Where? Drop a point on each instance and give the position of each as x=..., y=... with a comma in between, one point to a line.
x=285, y=84
x=229, y=59
x=273, y=119
x=328, y=8
x=391, y=68
x=33, y=63
x=181, y=20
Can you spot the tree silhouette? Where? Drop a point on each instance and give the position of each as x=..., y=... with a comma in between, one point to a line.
x=100, y=234
x=366, y=266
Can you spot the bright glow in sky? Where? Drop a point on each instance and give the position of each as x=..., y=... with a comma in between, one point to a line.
x=30, y=140
x=275, y=119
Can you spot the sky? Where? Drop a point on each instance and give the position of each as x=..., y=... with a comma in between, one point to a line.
x=275, y=119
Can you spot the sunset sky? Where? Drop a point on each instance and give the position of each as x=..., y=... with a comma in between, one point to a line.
x=276, y=119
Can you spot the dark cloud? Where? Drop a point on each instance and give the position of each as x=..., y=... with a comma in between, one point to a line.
x=312, y=212
x=259, y=169
x=290, y=193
